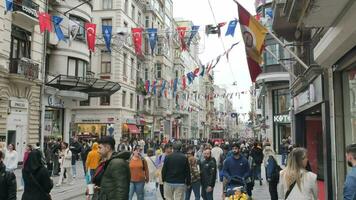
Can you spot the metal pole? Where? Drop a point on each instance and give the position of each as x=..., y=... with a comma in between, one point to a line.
x=287, y=49
x=280, y=62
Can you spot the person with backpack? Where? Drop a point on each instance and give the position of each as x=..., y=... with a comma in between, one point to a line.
x=257, y=155
x=194, y=174
x=272, y=171
x=139, y=174
x=7, y=181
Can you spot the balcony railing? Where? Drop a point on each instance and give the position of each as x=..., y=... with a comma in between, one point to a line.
x=26, y=6
x=24, y=66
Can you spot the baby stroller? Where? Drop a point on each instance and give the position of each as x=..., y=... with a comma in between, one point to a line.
x=236, y=189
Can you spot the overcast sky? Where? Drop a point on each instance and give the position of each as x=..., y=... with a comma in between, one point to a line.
x=225, y=74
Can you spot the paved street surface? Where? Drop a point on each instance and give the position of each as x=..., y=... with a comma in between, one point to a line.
x=76, y=191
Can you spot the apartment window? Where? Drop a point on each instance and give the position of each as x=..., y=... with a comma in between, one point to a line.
x=105, y=62
x=139, y=18
x=105, y=100
x=81, y=22
x=126, y=6
x=176, y=73
x=158, y=70
x=107, y=4
x=147, y=21
x=107, y=22
x=126, y=24
x=131, y=100
x=138, y=71
x=123, y=100
x=132, y=74
x=146, y=46
x=149, y=103
x=160, y=47
x=20, y=43
x=138, y=102
x=124, y=71
x=146, y=73
x=76, y=67
x=133, y=10
x=85, y=103
x=269, y=59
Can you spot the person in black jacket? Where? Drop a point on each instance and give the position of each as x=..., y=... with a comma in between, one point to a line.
x=176, y=174
x=257, y=156
x=38, y=183
x=208, y=175
x=76, y=148
x=7, y=182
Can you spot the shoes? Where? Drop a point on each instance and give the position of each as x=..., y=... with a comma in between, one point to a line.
x=260, y=182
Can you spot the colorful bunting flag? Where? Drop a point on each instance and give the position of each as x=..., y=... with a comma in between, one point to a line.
x=152, y=38
x=73, y=30
x=137, y=40
x=45, y=21
x=202, y=70
x=91, y=35
x=163, y=86
x=9, y=5
x=193, y=32
x=196, y=72
x=231, y=28
x=184, y=83
x=147, y=86
x=154, y=87
x=190, y=77
x=181, y=33
x=210, y=29
x=57, y=27
x=107, y=32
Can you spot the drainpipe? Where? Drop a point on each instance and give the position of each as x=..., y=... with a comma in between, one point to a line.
x=42, y=92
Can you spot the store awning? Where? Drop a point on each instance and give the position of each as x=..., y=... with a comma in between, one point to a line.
x=92, y=86
x=133, y=129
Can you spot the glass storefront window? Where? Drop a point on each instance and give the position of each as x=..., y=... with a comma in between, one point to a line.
x=281, y=102
x=349, y=83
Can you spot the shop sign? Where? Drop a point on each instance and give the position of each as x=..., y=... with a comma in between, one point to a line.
x=305, y=97
x=18, y=104
x=55, y=102
x=281, y=118
x=91, y=120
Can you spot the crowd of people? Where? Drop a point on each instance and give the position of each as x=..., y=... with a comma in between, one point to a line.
x=174, y=168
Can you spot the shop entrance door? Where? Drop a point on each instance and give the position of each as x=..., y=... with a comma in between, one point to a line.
x=17, y=130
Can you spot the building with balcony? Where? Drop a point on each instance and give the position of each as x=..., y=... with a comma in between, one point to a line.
x=272, y=88
x=21, y=67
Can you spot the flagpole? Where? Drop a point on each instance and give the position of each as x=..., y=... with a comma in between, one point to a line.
x=286, y=48
x=281, y=63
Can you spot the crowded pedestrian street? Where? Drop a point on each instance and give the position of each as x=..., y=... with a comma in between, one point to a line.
x=177, y=100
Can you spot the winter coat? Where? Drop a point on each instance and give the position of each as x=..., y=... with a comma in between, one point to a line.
x=66, y=156
x=257, y=155
x=93, y=158
x=7, y=184
x=208, y=172
x=308, y=190
x=115, y=182
x=176, y=169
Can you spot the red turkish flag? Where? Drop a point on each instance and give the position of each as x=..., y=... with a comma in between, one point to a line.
x=181, y=33
x=196, y=72
x=137, y=40
x=45, y=21
x=91, y=35
x=184, y=82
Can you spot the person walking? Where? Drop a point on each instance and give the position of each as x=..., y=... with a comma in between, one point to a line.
x=55, y=151
x=350, y=182
x=272, y=171
x=194, y=174
x=139, y=174
x=208, y=175
x=7, y=181
x=216, y=152
x=151, y=187
x=25, y=158
x=176, y=174
x=66, y=164
x=159, y=163
x=38, y=183
x=11, y=158
x=257, y=156
x=75, y=147
x=295, y=182
x=112, y=177
x=84, y=154
x=93, y=160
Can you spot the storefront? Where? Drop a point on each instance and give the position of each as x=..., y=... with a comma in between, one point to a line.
x=129, y=129
x=281, y=117
x=311, y=130
x=94, y=127
x=54, y=117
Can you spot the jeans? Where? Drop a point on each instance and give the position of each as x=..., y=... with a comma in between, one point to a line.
x=138, y=188
x=74, y=170
x=272, y=186
x=175, y=192
x=196, y=189
x=68, y=175
x=161, y=190
x=284, y=158
x=207, y=195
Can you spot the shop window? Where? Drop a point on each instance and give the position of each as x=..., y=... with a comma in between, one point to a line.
x=85, y=103
x=107, y=4
x=105, y=100
x=281, y=101
x=105, y=62
x=123, y=100
x=131, y=100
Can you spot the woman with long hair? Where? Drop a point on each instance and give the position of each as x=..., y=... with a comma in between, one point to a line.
x=38, y=183
x=11, y=158
x=272, y=171
x=295, y=181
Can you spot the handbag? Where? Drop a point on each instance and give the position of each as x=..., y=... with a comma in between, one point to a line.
x=290, y=189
